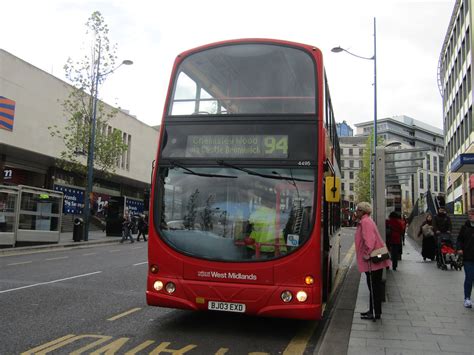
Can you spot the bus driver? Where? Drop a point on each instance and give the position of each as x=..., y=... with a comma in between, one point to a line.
x=262, y=229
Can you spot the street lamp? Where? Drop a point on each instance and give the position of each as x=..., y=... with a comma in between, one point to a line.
x=90, y=155
x=374, y=58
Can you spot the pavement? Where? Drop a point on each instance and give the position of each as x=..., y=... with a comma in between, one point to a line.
x=65, y=241
x=423, y=312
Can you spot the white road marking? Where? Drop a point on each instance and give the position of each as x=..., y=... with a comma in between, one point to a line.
x=124, y=314
x=89, y=254
x=24, y=262
x=145, y=262
x=50, y=282
x=58, y=258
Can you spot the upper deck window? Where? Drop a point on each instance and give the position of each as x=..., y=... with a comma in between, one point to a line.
x=245, y=79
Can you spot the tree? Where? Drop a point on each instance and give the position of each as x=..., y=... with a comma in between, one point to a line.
x=406, y=206
x=362, y=188
x=78, y=106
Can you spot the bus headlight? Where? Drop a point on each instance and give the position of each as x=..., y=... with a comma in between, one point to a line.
x=170, y=287
x=286, y=296
x=158, y=285
x=301, y=296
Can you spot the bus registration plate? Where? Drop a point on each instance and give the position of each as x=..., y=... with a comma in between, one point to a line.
x=226, y=306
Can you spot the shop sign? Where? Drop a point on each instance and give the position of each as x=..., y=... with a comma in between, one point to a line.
x=100, y=203
x=7, y=174
x=15, y=176
x=134, y=206
x=73, y=199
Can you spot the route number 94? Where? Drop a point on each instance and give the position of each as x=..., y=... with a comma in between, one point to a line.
x=275, y=144
x=304, y=163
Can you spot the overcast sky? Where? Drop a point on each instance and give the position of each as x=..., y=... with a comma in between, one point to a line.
x=410, y=35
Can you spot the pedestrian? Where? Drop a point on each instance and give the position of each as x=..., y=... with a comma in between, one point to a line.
x=465, y=246
x=396, y=228
x=127, y=226
x=367, y=239
x=405, y=223
x=142, y=227
x=442, y=227
x=428, y=244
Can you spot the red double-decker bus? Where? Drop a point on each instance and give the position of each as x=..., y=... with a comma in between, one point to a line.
x=245, y=211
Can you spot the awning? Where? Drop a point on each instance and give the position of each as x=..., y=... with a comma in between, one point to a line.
x=464, y=163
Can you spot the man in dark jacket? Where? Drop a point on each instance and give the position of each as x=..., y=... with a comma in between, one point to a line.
x=442, y=226
x=465, y=247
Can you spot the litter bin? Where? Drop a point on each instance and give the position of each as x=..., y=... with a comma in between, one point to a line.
x=78, y=230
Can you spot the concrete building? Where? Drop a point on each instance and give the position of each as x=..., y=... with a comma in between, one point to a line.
x=30, y=102
x=352, y=151
x=455, y=83
x=413, y=134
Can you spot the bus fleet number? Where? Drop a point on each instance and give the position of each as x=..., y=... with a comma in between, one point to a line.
x=304, y=163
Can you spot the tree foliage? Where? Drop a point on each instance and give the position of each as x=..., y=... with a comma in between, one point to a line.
x=78, y=106
x=362, y=188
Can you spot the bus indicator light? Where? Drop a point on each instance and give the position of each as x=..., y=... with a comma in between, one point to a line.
x=154, y=269
x=158, y=285
x=301, y=296
x=309, y=280
x=286, y=296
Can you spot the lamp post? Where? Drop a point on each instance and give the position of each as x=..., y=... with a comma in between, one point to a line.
x=90, y=155
x=372, y=160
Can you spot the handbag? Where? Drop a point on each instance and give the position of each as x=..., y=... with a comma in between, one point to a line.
x=379, y=255
x=427, y=231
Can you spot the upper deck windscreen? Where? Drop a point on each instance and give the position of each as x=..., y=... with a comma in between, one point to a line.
x=245, y=79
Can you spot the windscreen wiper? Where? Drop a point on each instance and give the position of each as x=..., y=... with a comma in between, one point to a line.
x=192, y=172
x=252, y=172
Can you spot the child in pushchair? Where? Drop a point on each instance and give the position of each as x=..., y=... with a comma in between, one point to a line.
x=447, y=255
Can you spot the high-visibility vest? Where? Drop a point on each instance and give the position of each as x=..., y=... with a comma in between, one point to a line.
x=263, y=222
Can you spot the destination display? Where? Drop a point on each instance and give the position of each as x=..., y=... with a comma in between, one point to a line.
x=237, y=146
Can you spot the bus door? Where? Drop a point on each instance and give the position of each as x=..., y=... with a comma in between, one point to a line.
x=294, y=215
x=330, y=228
x=8, y=214
x=325, y=245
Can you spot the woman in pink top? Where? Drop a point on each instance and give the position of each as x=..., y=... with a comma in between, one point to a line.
x=367, y=239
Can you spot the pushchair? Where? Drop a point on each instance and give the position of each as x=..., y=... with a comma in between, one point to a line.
x=447, y=255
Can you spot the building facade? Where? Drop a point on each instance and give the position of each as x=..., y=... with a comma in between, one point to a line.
x=352, y=152
x=455, y=83
x=410, y=133
x=30, y=102
x=344, y=130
